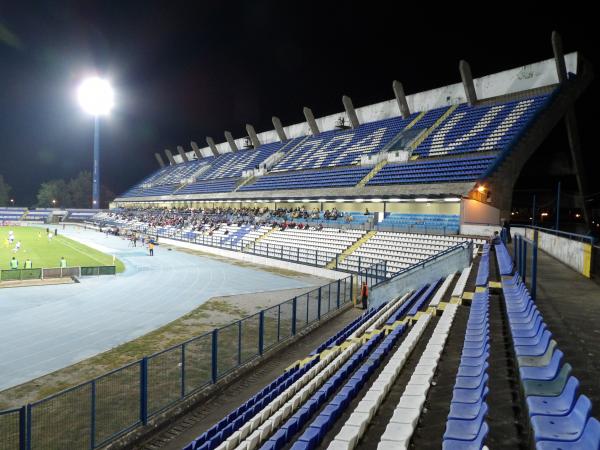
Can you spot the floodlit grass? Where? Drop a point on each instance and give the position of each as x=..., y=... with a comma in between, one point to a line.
x=45, y=253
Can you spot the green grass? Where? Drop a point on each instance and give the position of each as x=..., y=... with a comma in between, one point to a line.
x=46, y=254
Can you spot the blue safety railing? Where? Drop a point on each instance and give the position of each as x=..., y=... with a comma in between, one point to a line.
x=95, y=413
x=522, y=249
x=565, y=234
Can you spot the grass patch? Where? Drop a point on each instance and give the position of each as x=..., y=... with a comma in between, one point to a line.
x=46, y=253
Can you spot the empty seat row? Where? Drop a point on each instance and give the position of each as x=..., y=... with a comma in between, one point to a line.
x=466, y=427
x=560, y=417
x=402, y=424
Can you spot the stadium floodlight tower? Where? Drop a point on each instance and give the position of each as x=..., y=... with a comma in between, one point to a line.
x=96, y=97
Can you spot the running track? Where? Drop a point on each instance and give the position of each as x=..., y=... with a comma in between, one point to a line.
x=45, y=328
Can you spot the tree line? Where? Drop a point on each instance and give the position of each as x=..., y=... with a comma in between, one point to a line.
x=62, y=193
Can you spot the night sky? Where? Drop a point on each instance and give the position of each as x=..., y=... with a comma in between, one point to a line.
x=184, y=71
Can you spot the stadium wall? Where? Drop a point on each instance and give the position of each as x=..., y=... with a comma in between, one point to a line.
x=574, y=253
x=263, y=260
x=530, y=76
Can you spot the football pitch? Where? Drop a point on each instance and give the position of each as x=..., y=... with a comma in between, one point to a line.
x=46, y=253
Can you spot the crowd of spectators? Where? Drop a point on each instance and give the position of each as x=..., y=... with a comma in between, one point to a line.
x=210, y=219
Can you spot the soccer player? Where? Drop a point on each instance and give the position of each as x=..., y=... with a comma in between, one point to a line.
x=17, y=247
x=50, y=236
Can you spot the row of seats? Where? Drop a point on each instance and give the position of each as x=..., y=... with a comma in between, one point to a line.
x=480, y=128
x=308, y=179
x=466, y=427
x=318, y=428
x=215, y=435
x=560, y=417
x=399, y=250
x=444, y=223
x=342, y=147
x=257, y=432
x=409, y=408
x=433, y=171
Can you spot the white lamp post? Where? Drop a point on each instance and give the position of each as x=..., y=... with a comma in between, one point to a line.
x=96, y=97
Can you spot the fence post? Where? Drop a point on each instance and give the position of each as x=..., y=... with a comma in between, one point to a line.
x=261, y=332
x=534, y=266
x=351, y=287
x=524, y=261
x=215, y=349
x=93, y=417
x=298, y=254
x=22, y=428
x=338, y=293
x=239, y=342
x=319, y=306
x=278, y=322
x=144, y=390
x=28, y=438
x=294, y=311
x=183, y=370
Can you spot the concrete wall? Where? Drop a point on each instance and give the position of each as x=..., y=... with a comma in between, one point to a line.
x=452, y=208
x=256, y=259
x=574, y=254
x=474, y=212
x=441, y=267
x=518, y=79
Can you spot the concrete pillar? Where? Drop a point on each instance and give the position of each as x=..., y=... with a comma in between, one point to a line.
x=230, y=141
x=401, y=99
x=279, y=129
x=349, y=107
x=559, y=57
x=211, y=143
x=170, y=156
x=467, y=80
x=181, y=151
x=253, y=137
x=159, y=159
x=310, y=119
x=196, y=149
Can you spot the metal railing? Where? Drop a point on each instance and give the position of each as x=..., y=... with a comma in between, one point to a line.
x=92, y=414
x=442, y=230
x=565, y=234
x=521, y=255
x=55, y=272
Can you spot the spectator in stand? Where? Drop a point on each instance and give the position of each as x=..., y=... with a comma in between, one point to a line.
x=367, y=211
x=364, y=295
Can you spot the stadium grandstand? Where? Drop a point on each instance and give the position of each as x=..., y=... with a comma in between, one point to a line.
x=405, y=203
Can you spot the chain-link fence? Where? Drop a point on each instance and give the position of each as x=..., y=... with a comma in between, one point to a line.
x=94, y=413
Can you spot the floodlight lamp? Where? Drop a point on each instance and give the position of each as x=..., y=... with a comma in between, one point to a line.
x=96, y=96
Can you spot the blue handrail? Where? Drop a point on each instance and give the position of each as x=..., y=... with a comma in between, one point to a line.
x=566, y=234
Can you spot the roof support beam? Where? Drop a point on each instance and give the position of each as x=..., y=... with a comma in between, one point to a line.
x=230, y=141
x=467, y=81
x=184, y=157
x=196, y=150
x=572, y=129
x=349, y=107
x=310, y=119
x=170, y=157
x=159, y=159
x=401, y=99
x=253, y=137
x=211, y=143
x=279, y=129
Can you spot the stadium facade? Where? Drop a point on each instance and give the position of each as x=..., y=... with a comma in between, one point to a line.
x=454, y=152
